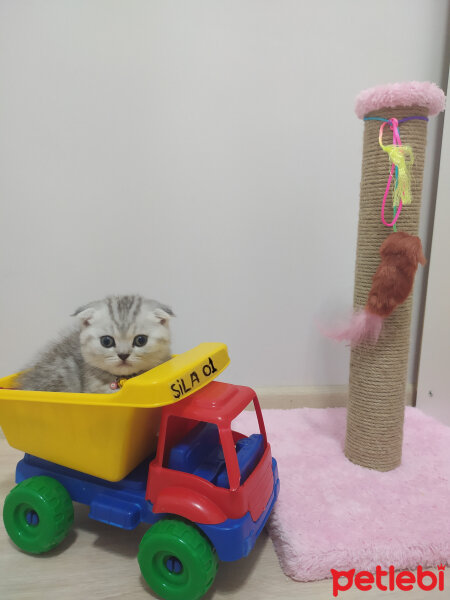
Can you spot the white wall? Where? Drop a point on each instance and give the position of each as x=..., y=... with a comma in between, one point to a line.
x=434, y=375
x=205, y=153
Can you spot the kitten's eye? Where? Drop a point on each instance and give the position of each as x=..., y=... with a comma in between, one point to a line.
x=107, y=341
x=140, y=340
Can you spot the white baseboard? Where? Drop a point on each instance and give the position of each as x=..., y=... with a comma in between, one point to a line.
x=313, y=397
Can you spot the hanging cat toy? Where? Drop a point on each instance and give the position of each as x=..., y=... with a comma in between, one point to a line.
x=400, y=253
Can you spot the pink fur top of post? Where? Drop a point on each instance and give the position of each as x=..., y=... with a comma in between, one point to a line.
x=411, y=93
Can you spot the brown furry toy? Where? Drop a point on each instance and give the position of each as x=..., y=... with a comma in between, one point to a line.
x=392, y=283
x=400, y=254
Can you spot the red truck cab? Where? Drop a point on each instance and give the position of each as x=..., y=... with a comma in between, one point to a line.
x=205, y=471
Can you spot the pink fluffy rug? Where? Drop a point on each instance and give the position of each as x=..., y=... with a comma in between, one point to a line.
x=332, y=514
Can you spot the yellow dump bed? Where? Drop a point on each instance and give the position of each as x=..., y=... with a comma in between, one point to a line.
x=105, y=435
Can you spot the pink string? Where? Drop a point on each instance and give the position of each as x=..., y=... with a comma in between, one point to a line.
x=397, y=142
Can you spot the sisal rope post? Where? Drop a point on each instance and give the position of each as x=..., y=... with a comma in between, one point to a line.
x=378, y=372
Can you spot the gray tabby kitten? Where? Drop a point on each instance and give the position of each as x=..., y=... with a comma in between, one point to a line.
x=116, y=338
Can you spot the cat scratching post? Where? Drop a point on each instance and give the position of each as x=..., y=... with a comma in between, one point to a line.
x=378, y=372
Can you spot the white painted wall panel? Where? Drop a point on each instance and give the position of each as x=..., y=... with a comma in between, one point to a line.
x=205, y=153
x=433, y=392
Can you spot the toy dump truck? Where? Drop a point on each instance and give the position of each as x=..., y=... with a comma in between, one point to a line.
x=161, y=450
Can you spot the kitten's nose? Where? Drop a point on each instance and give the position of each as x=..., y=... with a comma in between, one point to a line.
x=123, y=356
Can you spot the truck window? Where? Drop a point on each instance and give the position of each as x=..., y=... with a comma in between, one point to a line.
x=250, y=445
x=198, y=447
x=197, y=450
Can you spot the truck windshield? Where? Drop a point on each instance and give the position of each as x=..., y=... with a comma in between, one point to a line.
x=249, y=441
x=217, y=455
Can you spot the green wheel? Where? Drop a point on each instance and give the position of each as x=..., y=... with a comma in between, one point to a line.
x=177, y=561
x=38, y=514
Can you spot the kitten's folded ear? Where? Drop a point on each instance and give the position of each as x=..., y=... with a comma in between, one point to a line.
x=84, y=314
x=163, y=313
